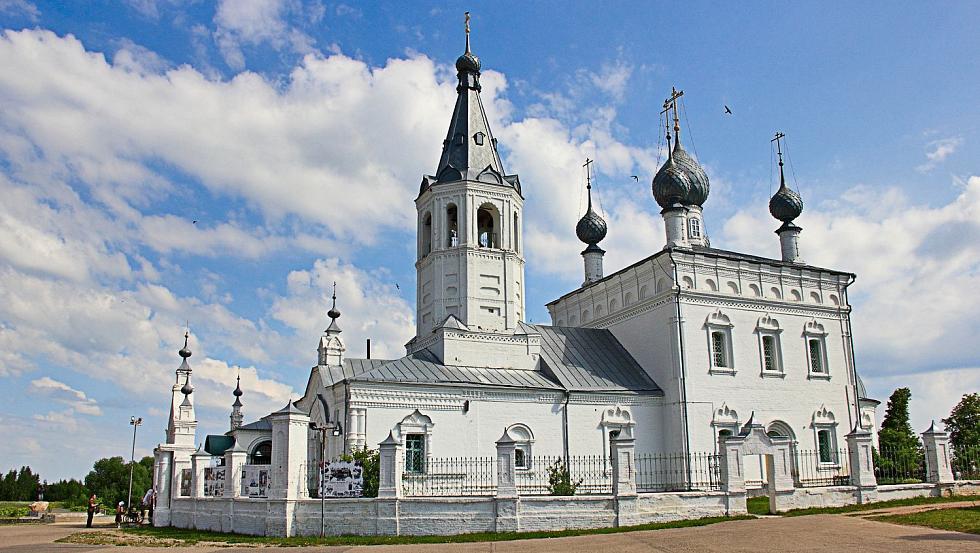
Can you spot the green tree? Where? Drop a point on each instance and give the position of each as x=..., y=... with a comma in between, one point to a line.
x=963, y=425
x=27, y=484
x=560, y=480
x=900, y=456
x=71, y=493
x=109, y=480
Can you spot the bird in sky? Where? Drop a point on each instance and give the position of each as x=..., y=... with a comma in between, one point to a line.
x=634, y=177
x=194, y=222
x=397, y=287
x=728, y=111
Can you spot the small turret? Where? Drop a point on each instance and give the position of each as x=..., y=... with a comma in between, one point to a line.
x=786, y=205
x=591, y=229
x=182, y=423
x=236, y=408
x=331, y=349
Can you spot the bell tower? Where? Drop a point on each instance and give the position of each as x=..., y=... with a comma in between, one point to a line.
x=470, y=261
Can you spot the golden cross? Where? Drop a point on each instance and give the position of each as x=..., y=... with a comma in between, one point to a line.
x=467, y=22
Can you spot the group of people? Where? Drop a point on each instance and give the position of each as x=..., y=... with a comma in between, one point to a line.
x=146, y=507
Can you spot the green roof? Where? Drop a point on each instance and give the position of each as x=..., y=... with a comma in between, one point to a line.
x=218, y=444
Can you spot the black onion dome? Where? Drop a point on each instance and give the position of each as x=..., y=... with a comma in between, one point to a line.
x=785, y=204
x=698, y=192
x=671, y=184
x=591, y=228
x=187, y=389
x=468, y=63
x=238, y=388
x=334, y=313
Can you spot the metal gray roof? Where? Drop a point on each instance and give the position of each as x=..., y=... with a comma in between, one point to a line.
x=423, y=367
x=260, y=424
x=573, y=359
x=330, y=375
x=591, y=360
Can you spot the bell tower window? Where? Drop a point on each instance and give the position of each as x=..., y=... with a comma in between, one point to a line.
x=694, y=228
x=517, y=233
x=452, y=226
x=426, y=235
x=486, y=224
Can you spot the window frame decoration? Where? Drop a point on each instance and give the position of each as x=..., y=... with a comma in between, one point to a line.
x=524, y=442
x=416, y=424
x=768, y=327
x=719, y=324
x=724, y=419
x=825, y=423
x=814, y=333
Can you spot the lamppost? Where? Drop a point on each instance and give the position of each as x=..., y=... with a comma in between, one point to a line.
x=135, y=422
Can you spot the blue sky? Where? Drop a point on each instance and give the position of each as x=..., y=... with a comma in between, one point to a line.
x=295, y=135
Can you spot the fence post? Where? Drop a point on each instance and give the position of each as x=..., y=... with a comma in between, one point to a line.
x=290, y=439
x=390, y=481
x=623, y=447
x=199, y=459
x=861, y=464
x=234, y=461
x=507, y=502
x=732, y=473
x=936, y=444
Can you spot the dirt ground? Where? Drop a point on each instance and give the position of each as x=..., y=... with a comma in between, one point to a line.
x=816, y=533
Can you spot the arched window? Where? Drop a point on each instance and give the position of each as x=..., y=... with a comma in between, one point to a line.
x=486, y=226
x=452, y=226
x=613, y=305
x=776, y=293
x=643, y=292
x=719, y=327
x=779, y=429
x=815, y=297
x=732, y=287
x=426, y=234
x=710, y=283
x=628, y=299
x=694, y=227
x=795, y=295
x=815, y=338
x=754, y=289
x=261, y=454
x=522, y=451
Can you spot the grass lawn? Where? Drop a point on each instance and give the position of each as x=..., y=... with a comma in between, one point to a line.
x=878, y=505
x=758, y=505
x=963, y=519
x=148, y=536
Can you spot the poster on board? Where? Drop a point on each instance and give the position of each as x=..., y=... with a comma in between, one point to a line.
x=255, y=481
x=342, y=479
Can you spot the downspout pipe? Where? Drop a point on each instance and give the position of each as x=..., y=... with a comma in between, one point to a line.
x=850, y=340
x=564, y=423
x=681, y=359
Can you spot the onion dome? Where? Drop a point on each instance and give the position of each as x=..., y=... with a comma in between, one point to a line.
x=333, y=313
x=785, y=205
x=187, y=389
x=185, y=352
x=698, y=192
x=671, y=184
x=238, y=392
x=591, y=228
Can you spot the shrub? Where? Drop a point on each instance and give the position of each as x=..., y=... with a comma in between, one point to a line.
x=560, y=480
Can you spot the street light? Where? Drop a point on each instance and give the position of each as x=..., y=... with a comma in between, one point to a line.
x=135, y=422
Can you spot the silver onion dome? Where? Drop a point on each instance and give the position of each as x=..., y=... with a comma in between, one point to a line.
x=697, y=194
x=671, y=184
x=591, y=228
x=785, y=205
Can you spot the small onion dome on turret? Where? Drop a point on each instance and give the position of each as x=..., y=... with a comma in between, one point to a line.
x=591, y=228
x=187, y=389
x=238, y=392
x=185, y=351
x=785, y=205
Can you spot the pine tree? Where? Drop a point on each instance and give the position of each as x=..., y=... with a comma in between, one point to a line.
x=900, y=457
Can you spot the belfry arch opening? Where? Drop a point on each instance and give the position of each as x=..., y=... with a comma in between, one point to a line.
x=426, y=235
x=487, y=226
x=452, y=226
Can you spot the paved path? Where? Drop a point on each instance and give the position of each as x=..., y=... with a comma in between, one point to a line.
x=815, y=533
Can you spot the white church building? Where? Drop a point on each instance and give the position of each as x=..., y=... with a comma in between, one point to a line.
x=683, y=349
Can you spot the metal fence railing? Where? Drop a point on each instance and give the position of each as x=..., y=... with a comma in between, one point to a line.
x=589, y=474
x=668, y=472
x=816, y=469
x=899, y=466
x=966, y=463
x=452, y=476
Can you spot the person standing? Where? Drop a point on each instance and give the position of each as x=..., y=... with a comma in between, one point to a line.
x=92, y=504
x=147, y=505
x=120, y=510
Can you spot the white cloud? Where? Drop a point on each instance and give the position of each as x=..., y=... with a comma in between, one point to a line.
x=63, y=393
x=261, y=22
x=20, y=8
x=939, y=151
